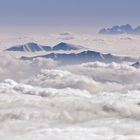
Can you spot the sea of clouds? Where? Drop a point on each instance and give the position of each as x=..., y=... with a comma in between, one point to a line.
x=39, y=99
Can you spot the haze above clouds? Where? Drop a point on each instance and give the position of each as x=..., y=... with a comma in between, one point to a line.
x=127, y=45
x=40, y=98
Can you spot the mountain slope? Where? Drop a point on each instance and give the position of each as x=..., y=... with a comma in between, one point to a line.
x=85, y=56
x=123, y=29
x=136, y=65
x=33, y=47
x=66, y=47
x=29, y=47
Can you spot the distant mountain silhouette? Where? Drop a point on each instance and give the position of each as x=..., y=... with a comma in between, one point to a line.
x=85, y=56
x=33, y=47
x=66, y=47
x=136, y=65
x=29, y=47
x=123, y=29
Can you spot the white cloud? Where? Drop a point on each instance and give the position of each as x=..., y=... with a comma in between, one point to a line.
x=12, y=67
x=66, y=36
x=36, y=111
x=63, y=79
x=94, y=99
x=112, y=73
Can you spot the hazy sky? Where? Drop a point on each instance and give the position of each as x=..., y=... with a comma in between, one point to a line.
x=81, y=13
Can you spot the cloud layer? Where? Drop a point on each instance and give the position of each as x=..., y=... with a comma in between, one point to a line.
x=97, y=99
x=33, y=110
x=12, y=67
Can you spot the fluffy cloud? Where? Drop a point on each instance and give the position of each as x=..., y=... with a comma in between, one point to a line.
x=66, y=36
x=19, y=88
x=33, y=109
x=67, y=100
x=98, y=96
x=12, y=67
x=62, y=79
x=112, y=73
x=93, y=77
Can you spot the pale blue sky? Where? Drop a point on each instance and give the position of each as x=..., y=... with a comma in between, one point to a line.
x=84, y=13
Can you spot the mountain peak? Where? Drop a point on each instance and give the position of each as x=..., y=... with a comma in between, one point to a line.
x=82, y=57
x=122, y=29
x=29, y=47
x=32, y=47
x=136, y=65
x=66, y=46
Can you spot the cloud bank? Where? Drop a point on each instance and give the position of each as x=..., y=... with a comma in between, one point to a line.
x=94, y=99
x=12, y=67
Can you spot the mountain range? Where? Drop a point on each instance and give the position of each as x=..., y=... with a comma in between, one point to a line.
x=29, y=47
x=34, y=47
x=82, y=57
x=122, y=29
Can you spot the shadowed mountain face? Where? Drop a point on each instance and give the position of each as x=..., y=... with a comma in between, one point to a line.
x=136, y=65
x=85, y=56
x=66, y=47
x=33, y=47
x=123, y=29
x=29, y=47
